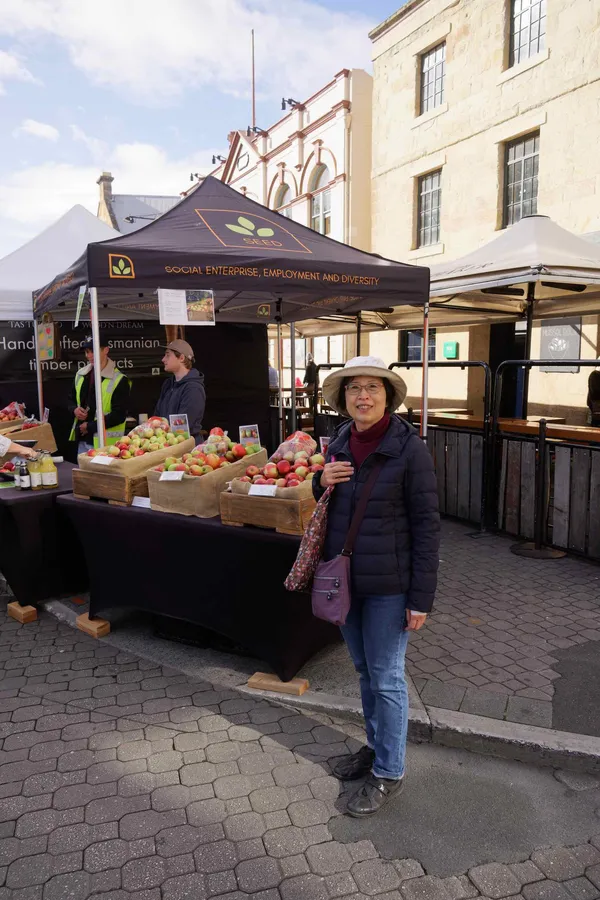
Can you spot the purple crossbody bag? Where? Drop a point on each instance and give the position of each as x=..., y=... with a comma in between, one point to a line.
x=332, y=588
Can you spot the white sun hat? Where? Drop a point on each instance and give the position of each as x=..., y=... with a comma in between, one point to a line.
x=354, y=368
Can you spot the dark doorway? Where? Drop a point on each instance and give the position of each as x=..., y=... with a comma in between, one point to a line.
x=506, y=342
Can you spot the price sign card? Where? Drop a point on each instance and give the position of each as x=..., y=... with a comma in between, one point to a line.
x=324, y=444
x=171, y=476
x=249, y=435
x=262, y=490
x=143, y=502
x=180, y=425
x=103, y=460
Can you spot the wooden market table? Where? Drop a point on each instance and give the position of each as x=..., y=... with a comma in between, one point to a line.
x=229, y=580
x=40, y=553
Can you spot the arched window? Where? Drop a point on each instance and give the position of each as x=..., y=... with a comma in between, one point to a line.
x=284, y=198
x=320, y=212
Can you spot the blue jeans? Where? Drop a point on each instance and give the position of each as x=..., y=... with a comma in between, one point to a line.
x=375, y=636
x=83, y=447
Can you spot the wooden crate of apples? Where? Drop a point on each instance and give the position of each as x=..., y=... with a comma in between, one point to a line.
x=145, y=446
x=291, y=469
x=207, y=469
x=11, y=415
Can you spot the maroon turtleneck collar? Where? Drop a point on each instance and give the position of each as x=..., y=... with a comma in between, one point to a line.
x=363, y=443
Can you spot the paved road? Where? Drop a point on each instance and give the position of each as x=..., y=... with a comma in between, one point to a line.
x=122, y=780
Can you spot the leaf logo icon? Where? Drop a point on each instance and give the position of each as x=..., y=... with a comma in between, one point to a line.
x=120, y=266
x=247, y=227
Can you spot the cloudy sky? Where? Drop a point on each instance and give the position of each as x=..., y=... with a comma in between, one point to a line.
x=149, y=89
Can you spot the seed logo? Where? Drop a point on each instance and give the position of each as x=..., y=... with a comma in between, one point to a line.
x=232, y=229
x=120, y=266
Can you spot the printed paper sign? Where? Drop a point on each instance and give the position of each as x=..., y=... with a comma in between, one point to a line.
x=262, y=490
x=186, y=307
x=143, y=502
x=46, y=415
x=46, y=341
x=171, y=476
x=103, y=460
x=324, y=444
x=180, y=425
x=249, y=435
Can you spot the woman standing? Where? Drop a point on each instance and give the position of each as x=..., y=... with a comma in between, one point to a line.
x=394, y=563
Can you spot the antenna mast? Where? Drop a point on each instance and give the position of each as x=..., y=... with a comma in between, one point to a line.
x=253, y=86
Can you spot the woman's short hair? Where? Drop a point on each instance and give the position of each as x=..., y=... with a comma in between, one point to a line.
x=389, y=394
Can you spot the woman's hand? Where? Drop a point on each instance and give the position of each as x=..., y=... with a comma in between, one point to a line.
x=336, y=473
x=28, y=452
x=414, y=620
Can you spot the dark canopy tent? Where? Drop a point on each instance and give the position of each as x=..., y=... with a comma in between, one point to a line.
x=250, y=256
x=261, y=266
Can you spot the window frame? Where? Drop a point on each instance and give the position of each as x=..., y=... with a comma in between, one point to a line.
x=522, y=52
x=509, y=205
x=320, y=202
x=404, y=342
x=435, y=192
x=284, y=209
x=427, y=103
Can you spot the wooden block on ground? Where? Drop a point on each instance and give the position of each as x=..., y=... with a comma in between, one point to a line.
x=22, y=614
x=262, y=681
x=96, y=628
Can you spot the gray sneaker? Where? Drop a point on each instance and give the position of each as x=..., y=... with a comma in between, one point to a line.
x=350, y=768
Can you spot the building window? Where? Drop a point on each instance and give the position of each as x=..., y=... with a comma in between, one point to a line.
x=283, y=199
x=328, y=349
x=527, y=29
x=430, y=201
x=521, y=178
x=433, y=77
x=411, y=346
x=287, y=361
x=320, y=205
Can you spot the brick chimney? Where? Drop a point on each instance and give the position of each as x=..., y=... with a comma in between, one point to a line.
x=105, y=211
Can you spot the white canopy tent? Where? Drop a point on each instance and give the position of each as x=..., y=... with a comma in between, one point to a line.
x=37, y=261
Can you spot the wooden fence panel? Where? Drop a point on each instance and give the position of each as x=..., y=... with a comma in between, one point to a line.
x=476, y=476
x=580, y=486
x=562, y=493
x=451, y=473
x=464, y=476
x=528, y=450
x=594, y=529
x=513, y=487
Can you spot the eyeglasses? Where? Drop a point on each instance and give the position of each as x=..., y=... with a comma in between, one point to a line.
x=356, y=389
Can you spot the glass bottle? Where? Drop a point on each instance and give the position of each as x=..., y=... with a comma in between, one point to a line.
x=49, y=472
x=24, y=477
x=33, y=467
x=17, y=474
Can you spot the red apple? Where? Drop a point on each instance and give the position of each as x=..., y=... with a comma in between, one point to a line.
x=180, y=467
x=283, y=467
x=195, y=470
x=293, y=482
x=317, y=460
x=260, y=480
x=271, y=481
x=301, y=471
x=218, y=431
x=246, y=479
x=316, y=468
x=140, y=453
x=281, y=482
x=213, y=460
x=125, y=454
x=251, y=471
x=159, y=469
x=270, y=470
x=91, y=453
x=238, y=451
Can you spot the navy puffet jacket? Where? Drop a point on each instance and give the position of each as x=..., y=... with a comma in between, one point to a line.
x=397, y=548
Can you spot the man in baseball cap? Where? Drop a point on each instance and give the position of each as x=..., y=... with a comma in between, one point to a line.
x=183, y=392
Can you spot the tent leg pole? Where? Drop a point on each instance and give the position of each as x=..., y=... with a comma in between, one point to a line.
x=528, y=335
x=293, y=372
x=97, y=370
x=38, y=371
x=358, y=333
x=280, y=370
x=425, y=384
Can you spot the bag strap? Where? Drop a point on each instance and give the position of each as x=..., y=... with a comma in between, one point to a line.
x=361, y=508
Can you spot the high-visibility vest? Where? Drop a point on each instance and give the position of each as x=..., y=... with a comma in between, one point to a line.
x=108, y=389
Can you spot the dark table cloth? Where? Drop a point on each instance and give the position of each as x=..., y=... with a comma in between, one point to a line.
x=226, y=579
x=40, y=554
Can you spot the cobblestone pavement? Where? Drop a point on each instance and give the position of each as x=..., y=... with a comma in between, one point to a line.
x=122, y=780
x=500, y=627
